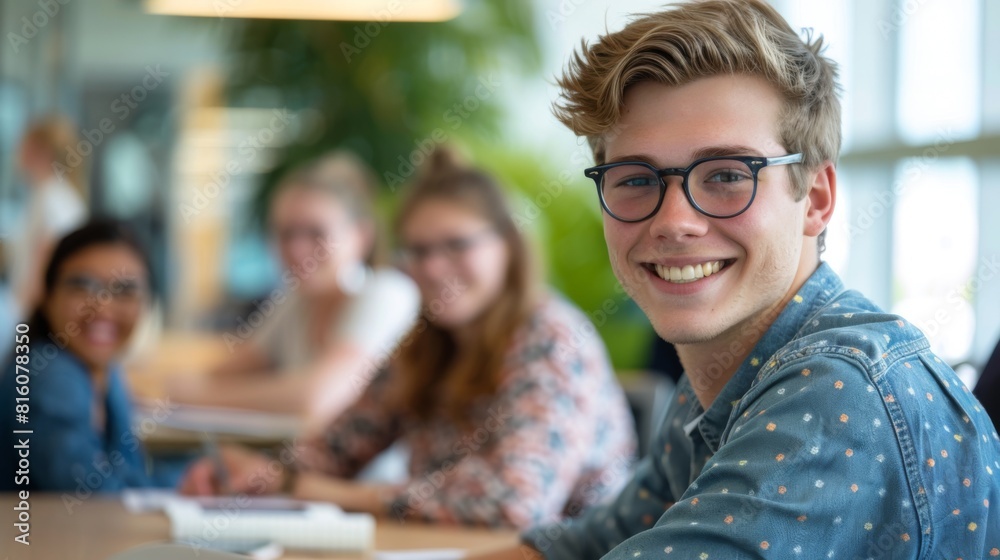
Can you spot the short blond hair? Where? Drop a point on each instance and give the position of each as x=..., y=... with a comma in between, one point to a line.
x=56, y=136
x=708, y=38
x=347, y=179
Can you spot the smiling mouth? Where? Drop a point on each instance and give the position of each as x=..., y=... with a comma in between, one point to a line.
x=101, y=332
x=688, y=273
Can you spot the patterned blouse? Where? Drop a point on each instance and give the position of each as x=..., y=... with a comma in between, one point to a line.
x=556, y=438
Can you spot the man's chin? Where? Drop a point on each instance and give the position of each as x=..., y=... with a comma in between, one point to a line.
x=681, y=338
x=684, y=331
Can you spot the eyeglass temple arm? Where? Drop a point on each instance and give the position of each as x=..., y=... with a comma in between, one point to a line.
x=781, y=160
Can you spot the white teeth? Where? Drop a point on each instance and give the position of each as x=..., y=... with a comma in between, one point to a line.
x=101, y=332
x=688, y=273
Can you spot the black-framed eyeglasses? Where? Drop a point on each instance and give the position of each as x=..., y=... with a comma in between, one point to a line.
x=718, y=187
x=453, y=249
x=127, y=291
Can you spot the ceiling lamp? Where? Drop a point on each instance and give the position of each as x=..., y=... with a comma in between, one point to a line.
x=352, y=10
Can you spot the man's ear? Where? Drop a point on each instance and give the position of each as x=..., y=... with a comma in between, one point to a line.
x=820, y=199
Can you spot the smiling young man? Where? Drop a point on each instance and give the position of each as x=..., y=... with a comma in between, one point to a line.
x=809, y=422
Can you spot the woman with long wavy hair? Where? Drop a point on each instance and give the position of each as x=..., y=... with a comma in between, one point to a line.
x=502, y=392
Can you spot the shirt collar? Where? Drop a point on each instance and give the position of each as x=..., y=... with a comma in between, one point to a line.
x=114, y=368
x=818, y=290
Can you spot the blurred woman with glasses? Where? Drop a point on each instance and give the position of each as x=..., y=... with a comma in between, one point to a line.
x=335, y=317
x=66, y=369
x=502, y=392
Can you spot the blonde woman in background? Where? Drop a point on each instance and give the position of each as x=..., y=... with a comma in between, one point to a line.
x=337, y=316
x=55, y=204
x=503, y=391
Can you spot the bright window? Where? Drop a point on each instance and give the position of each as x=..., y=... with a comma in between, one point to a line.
x=935, y=251
x=939, y=80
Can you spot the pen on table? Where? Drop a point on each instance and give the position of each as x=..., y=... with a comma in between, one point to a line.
x=211, y=447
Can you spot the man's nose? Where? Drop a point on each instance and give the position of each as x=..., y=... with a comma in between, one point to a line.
x=677, y=218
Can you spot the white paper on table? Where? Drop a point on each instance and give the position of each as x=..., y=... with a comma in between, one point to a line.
x=148, y=500
x=316, y=526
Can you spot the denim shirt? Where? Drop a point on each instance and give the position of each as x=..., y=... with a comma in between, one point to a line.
x=65, y=451
x=840, y=436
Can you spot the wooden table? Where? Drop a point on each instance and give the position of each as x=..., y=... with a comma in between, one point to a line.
x=100, y=527
x=174, y=354
x=177, y=355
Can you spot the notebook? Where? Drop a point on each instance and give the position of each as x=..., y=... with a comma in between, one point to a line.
x=291, y=523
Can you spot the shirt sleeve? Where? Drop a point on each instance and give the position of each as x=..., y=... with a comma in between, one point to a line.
x=810, y=469
x=357, y=435
x=521, y=464
x=67, y=453
x=63, y=209
x=601, y=528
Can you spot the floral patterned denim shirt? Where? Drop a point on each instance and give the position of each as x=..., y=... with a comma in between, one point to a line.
x=840, y=436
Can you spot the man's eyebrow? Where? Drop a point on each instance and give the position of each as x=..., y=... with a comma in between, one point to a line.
x=725, y=150
x=633, y=157
x=705, y=152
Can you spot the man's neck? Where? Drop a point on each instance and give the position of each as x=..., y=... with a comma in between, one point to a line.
x=711, y=364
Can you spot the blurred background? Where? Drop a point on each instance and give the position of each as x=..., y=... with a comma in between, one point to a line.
x=187, y=110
